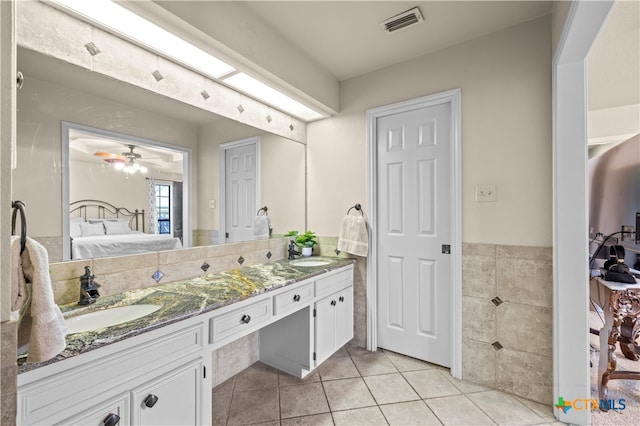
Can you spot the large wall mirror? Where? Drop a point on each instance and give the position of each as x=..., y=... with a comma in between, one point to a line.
x=75, y=129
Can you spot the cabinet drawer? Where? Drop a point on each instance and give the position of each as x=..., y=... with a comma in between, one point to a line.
x=115, y=410
x=292, y=299
x=239, y=321
x=333, y=283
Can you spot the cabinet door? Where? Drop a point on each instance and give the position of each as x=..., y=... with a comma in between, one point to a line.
x=112, y=412
x=344, y=317
x=172, y=399
x=325, y=325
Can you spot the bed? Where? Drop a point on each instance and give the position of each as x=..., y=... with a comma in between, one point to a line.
x=100, y=229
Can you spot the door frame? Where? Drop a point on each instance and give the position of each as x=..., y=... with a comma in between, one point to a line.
x=571, y=378
x=451, y=97
x=222, y=155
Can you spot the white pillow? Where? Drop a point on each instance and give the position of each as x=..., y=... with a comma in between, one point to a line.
x=74, y=227
x=119, y=227
x=89, y=229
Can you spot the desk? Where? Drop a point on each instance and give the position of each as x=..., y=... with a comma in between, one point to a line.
x=621, y=304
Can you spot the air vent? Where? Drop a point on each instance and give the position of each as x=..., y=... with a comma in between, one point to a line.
x=401, y=21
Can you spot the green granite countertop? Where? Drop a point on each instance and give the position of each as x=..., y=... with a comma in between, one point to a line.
x=181, y=300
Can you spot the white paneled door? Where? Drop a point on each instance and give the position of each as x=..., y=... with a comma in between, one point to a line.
x=413, y=233
x=240, y=192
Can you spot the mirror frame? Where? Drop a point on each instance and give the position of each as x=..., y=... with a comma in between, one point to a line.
x=187, y=211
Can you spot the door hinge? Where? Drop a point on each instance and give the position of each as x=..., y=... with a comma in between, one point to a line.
x=314, y=313
x=314, y=356
x=204, y=372
x=446, y=249
x=226, y=235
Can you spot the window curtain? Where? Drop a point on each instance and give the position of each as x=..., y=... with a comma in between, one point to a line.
x=153, y=208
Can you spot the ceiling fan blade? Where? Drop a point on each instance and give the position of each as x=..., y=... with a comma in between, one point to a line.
x=109, y=156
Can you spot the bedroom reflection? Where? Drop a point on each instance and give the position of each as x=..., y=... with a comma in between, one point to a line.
x=125, y=194
x=56, y=92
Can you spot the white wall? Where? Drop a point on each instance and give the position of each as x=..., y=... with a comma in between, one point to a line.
x=41, y=107
x=505, y=80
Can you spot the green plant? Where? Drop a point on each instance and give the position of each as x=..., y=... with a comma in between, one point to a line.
x=291, y=234
x=308, y=239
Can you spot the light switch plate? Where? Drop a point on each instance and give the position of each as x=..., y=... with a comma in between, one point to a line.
x=485, y=193
x=212, y=204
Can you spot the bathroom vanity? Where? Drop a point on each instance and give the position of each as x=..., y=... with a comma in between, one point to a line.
x=157, y=369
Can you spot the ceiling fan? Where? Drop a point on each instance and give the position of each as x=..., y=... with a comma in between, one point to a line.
x=128, y=162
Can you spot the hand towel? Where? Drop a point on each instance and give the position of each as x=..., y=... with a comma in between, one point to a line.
x=261, y=227
x=40, y=324
x=353, y=235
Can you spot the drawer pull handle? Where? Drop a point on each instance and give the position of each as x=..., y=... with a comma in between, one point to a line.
x=245, y=318
x=111, y=419
x=333, y=303
x=296, y=298
x=150, y=400
x=341, y=298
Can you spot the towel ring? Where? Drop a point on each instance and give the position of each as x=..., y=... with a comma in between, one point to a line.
x=358, y=207
x=263, y=209
x=18, y=206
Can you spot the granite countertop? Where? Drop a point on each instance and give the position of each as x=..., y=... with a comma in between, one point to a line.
x=181, y=300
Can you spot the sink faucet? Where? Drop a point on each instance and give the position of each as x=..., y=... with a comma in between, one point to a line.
x=292, y=250
x=88, y=288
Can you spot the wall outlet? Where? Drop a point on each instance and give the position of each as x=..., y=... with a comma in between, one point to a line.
x=485, y=193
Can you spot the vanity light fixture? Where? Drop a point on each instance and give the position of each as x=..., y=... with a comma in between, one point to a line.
x=257, y=89
x=134, y=27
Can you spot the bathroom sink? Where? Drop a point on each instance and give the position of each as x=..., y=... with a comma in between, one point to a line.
x=310, y=262
x=108, y=317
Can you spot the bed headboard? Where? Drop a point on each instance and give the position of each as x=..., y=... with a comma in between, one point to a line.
x=96, y=209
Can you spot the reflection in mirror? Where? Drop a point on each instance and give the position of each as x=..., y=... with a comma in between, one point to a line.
x=125, y=194
x=56, y=92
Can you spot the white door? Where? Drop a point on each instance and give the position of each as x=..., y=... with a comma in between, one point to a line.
x=240, y=192
x=413, y=233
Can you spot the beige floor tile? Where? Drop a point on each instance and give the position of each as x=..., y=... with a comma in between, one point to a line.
x=225, y=387
x=257, y=376
x=285, y=379
x=315, y=420
x=302, y=400
x=544, y=411
x=504, y=409
x=340, y=352
x=465, y=386
x=354, y=349
x=338, y=368
x=390, y=388
x=458, y=410
x=220, y=408
x=254, y=406
x=409, y=414
x=430, y=383
x=369, y=416
x=406, y=363
x=346, y=394
x=373, y=363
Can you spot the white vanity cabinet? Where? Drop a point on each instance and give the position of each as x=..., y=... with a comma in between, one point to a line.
x=112, y=385
x=333, y=314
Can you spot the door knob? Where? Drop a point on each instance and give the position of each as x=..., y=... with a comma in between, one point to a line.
x=150, y=400
x=111, y=419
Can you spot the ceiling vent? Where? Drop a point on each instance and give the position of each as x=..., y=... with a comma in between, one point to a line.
x=401, y=21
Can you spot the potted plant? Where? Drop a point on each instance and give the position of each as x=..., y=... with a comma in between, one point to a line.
x=306, y=241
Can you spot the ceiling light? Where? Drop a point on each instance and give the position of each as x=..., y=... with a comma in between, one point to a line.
x=148, y=34
x=269, y=95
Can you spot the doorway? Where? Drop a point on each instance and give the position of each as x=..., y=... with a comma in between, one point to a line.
x=239, y=188
x=416, y=243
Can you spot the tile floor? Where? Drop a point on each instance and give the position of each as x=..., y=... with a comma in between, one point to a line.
x=357, y=387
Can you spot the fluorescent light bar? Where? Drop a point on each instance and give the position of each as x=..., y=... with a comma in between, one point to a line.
x=137, y=28
x=261, y=91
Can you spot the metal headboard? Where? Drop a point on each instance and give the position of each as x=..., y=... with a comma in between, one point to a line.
x=96, y=209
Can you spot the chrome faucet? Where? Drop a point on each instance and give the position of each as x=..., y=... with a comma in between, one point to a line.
x=292, y=250
x=88, y=288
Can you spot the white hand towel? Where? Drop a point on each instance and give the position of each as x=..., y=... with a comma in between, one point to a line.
x=261, y=227
x=353, y=235
x=41, y=324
